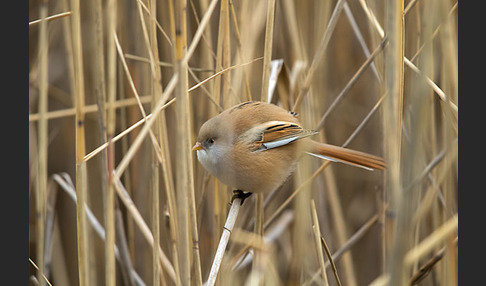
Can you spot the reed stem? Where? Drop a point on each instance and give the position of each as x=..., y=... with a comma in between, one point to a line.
x=43, y=144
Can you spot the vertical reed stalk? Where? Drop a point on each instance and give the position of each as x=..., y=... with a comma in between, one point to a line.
x=189, y=166
x=43, y=144
x=110, y=126
x=239, y=52
x=226, y=77
x=258, y=230
x=193, y=226
x=303, y=222
x=195, y=235
x=97, y=68
x=155, y=220
x=81, y=171
x=392, y=115
x=110, y=267
x=150, y=34
x=183, y=148
x=317, y=237
x=267, y=53
x=222, y=28
x=170, y=193
x=68, y=43
x=339, y=222
x=394, y=86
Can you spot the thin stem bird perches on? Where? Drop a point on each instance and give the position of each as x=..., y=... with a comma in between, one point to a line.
x=223, y=242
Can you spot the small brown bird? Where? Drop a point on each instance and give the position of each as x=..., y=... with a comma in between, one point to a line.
x=254, y=146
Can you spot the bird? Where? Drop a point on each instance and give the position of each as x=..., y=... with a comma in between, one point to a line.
x=254, y=146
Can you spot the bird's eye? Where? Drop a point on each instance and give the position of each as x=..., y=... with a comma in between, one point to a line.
x=211, y=141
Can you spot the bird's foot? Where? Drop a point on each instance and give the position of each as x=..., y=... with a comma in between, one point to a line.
x=239, y=194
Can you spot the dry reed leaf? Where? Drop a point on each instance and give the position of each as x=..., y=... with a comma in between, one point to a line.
x=431, y=242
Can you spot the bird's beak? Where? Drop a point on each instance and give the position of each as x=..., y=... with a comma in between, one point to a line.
x=197, y=146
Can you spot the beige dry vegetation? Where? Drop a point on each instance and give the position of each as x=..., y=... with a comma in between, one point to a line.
x=119, y=89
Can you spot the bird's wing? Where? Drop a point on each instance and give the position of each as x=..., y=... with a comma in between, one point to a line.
x=273, y=134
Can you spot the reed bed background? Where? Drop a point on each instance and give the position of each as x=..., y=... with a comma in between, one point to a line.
x=119, y=89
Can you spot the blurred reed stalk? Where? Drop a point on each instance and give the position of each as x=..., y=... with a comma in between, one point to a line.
x=158, y=132
x=96, y=66
x=222, y=50
x=41, y=189
x=183, y=156
x=111, y=91
x=317, y=236
x=81, y=171
x=392, y=119
x=267, y=52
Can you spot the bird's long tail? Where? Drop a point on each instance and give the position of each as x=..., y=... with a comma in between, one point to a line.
x=345, y=155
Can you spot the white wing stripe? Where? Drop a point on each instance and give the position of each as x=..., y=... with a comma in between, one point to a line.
x=340, y=161
x=278, y=143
